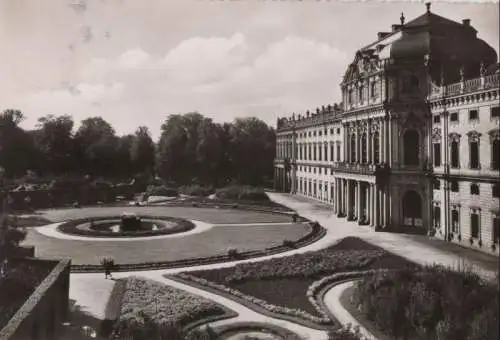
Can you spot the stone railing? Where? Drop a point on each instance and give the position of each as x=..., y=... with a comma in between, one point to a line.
x=492, y=81
x=47, y=307
x=365, y=169
x=470, y=85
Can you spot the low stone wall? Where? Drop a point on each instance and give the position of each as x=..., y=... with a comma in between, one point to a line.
x=43, y=313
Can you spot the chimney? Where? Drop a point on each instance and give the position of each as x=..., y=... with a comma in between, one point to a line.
x=466, y=22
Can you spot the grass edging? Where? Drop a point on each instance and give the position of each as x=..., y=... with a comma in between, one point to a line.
x=252, y=306
x=258, y=326
x=317, y=232
x=70, y=227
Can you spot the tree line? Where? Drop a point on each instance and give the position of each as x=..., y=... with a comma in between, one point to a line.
x=192, y=149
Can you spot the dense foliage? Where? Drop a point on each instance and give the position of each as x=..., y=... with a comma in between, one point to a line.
x=151, y=310
x=433, y=303
x=308, y=265
x=192, y=149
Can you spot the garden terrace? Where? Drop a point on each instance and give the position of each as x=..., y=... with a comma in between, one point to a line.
x=150, y=307
x=20, y=282
x=284, y=281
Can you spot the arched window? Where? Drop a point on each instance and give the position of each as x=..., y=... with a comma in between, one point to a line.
x=364, y=149
x=411, y=148
x=376, y=148
x=361, y=91
x=353, y=148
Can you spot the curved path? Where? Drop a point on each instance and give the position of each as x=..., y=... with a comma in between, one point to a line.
x=331, y=299
x=87, y=288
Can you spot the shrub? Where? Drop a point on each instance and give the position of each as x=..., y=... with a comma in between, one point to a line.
x=152, y=310
x=195, y=190
x=236, y=192
x=232, y=252
x=435, y=302
x=345, y=333
x=161, y=191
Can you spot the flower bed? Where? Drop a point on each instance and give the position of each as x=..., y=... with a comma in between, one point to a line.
x=281, y=285
x=149, y=307
x=282, y=333
x=431, y=303
x=101, y=227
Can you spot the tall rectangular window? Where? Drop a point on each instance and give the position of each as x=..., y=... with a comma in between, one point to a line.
x=326, y=153
x=319, y=153
x=495, y=154
x=331, y=152
x=454, y=186
x=474, y=224
x=338, y=152
x=437, y=154
x=455, y=160
x=496, y=229
x=474, y=155
x=454, y=117
x=437, y=216
x=455, y=217
x=437, y=119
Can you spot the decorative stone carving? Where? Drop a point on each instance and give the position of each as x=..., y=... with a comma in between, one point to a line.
x=474, y=136
x=436, y=135
x=494, y=134
x=482, y=69
x=454, y=137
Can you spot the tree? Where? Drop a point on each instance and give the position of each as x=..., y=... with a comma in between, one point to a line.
x=55, y=142
x=142, y=152
x=252, y=148
x=96, y=142
x=14, y=141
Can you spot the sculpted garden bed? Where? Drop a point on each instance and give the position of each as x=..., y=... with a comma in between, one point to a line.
x=152, y=310
x=432, y=303
x=288, y=285
x=102, y=227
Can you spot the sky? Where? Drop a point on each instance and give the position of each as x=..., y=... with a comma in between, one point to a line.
x=134, y=62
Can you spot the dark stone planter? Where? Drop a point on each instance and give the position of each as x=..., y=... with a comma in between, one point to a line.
x=130, y=223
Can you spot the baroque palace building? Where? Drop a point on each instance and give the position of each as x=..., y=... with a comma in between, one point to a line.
x=414, y=146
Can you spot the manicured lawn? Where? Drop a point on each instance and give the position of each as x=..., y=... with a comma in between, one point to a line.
x=210, y=215
x=213, y=242
x=284, y=281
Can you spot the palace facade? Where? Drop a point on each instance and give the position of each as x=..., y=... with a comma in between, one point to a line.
x=414, y=146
